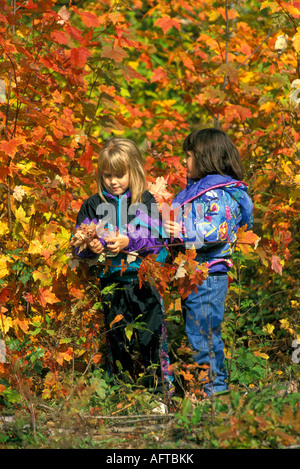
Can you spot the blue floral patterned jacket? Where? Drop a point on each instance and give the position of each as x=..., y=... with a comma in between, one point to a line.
x=210, y=211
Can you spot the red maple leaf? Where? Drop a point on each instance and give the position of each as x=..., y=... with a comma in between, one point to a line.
x=86, y=159
x=166, y=23
x=79, y=56
x=89, y=19
x=276, y=264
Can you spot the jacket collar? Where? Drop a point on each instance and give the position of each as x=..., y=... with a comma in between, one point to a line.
x=118, y=199
x=195, y=188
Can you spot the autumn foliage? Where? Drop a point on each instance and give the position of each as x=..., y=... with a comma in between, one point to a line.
x=70, y=77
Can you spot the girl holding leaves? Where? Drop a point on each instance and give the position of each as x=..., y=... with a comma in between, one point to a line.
x=127, y=227
x=210, y=210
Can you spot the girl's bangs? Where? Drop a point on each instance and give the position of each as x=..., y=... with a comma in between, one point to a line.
x=115, y=164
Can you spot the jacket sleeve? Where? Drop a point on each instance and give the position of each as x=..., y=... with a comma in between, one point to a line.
x=145, y=230
x=207, y=221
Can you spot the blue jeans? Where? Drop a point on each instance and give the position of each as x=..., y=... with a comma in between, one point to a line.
x=204, y=314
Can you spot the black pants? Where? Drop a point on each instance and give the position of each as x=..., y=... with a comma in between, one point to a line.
x=131, y=301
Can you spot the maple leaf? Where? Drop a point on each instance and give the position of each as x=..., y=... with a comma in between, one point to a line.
x=86, y=158
x=22, y=322
x=64, y=201
x=10, y=147
x=276, y=264
x=19, y=193
x=83, y=236
x=3, y=266
x=130, y=73
x=79, y=56
x=89, y=19
x=35, y=247
x=188, y=272
x=155, y=273
x=5, y=323
x=46, y=296
x=166, y=23
x=246, y=238
x=66, y=355
x=235, y=111
x=60, y=37
x=20, y=215
x=115, y=53
x=159, y=189
x=159, y=74
x=64, y=14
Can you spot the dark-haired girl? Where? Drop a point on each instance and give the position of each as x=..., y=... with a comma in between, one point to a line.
x=213, y=206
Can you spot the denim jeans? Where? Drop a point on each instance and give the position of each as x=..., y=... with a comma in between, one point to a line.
x=204, y=314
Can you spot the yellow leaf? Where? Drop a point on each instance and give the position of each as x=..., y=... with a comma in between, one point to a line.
x=43, y=275
x=268, y=4
x=35, y=247
x=3, y=228
x=20, y=215
x=296, y=41
x=297, y=179
x=248, y=77
x=5, y=323
x=67, y=356
x=269, y=328
x=285, y=324
x=3, y=267
x=264, y=355
x=267, y=107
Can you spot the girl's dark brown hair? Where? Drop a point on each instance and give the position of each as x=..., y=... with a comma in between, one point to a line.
x=214, y=153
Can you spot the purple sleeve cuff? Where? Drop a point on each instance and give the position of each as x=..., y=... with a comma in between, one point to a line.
x=88, y=253
x=143, y=242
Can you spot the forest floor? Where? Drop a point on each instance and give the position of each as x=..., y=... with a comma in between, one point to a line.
x=262, y=419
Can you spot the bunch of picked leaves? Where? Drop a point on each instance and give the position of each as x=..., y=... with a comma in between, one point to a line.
x=84, y=234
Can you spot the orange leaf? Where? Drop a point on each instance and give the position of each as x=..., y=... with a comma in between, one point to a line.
x=86, y=158
x=89, y=19
x=159, y=74
x=245, y=239
x=60, y=37
x=117, y=319
x=97, y=358
x=79, y=56
x=116, y=53
x=9, y=146
x=65, y=355
x=166, y=23
x=187, y=376
x=46, y=296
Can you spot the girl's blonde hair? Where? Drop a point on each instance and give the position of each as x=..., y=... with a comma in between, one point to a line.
x=118, y=156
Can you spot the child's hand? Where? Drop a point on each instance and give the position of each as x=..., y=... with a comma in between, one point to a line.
x=117, y=244
x=173, y=228
x=96, y=246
